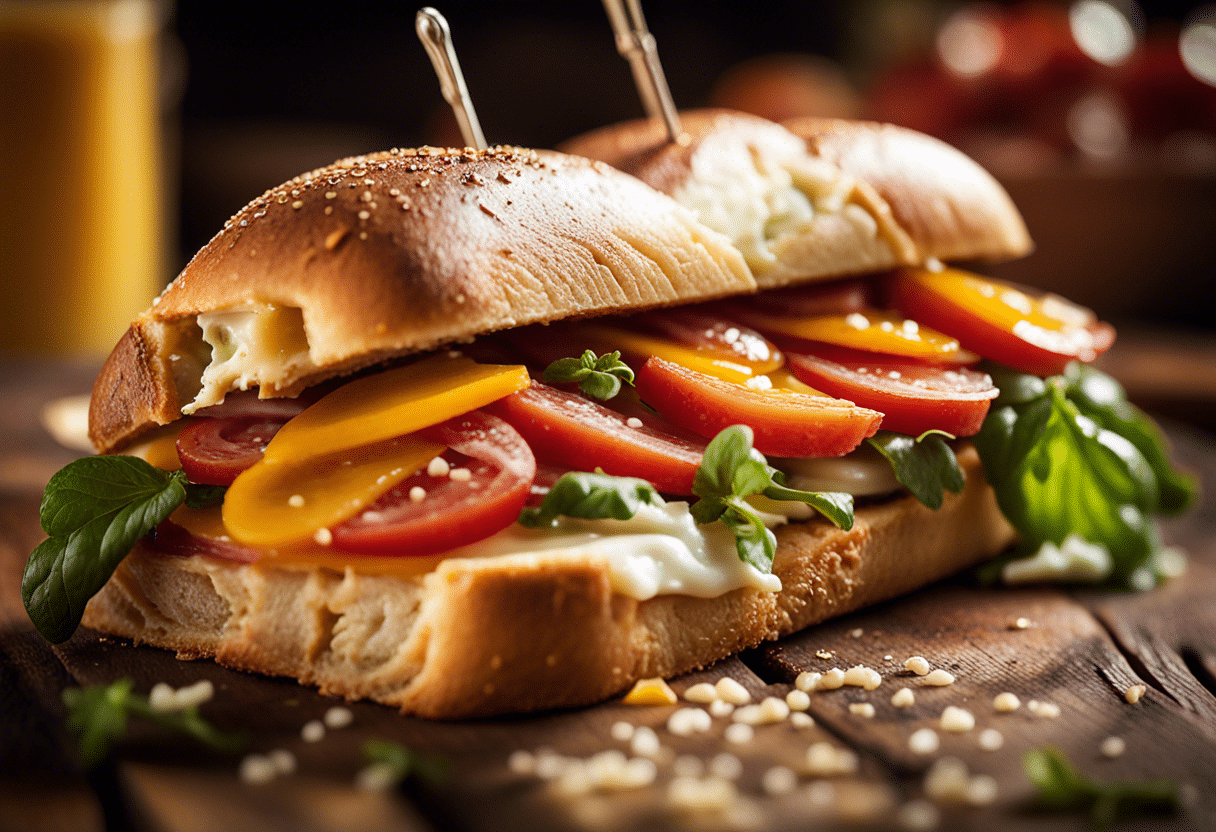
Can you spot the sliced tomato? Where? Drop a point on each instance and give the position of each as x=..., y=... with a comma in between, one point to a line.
x=913, y=397
x=869, y=330
x=839, y=297
x=214, y=451
x=714, y=336
x=785, y=423
x=1033, y=333
x=452, y=511
x=571, y=430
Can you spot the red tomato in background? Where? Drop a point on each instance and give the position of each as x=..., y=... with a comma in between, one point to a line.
x=214, y=451
x=785, y=423
x=912, y=397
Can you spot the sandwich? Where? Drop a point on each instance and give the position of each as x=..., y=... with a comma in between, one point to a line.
x=478, y=432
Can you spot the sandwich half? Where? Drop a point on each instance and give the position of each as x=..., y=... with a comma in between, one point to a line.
x=403, y=306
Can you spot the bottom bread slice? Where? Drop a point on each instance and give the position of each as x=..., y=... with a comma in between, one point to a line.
x=478, y=637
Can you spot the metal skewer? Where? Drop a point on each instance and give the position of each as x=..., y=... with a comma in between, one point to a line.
x=637, y=45
x=436, y=37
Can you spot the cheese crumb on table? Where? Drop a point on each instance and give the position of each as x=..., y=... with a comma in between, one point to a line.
x=718, y=708
x=738, y=733
x=338, y=717
x=521, y=762
x=731, y=691
x=991, y=739
x=862, y=677
x=1006, y=702
x=779, y=780
x=801, y=720
x=832, y=680
x=1046, y=710
x=645, y=742
x=798, y=700
x=1134, y=693
x=903, y=698
x=702, y=693
x=686, y=765
x=862, y=709
x=726, y=765
x=313, y=731
x=257, y=770
x=687, y=721
x=918, y=816
x=807, y=680
x=826, y=760
x=1113, y=747
x=923, y=741
x=650, y=692
x=918, y=665
x=694, y=794
x=622, y=731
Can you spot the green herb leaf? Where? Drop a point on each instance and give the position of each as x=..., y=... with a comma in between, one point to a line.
x=99, y=714
x=95, y=510
x=1075, y=458
x=591, y=497
x=925, y=464
x=1062, y=788
x=732, y=470
x=599, y=377
x=400, y=762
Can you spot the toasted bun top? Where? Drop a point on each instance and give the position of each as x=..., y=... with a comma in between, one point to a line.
x=925, y=198
x=395, y=253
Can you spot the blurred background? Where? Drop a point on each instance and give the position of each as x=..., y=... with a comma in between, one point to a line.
x=1099, y=116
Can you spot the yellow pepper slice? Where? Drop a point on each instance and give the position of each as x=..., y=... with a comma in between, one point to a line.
x=394, y=403
x=873, y=330
x=639, y=347
x=276, y=503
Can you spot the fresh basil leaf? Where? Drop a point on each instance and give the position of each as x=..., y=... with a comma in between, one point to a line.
x=707, y=509
x=925, y=465
x=836, y=506
x=591, y=497
x=599, y=377
x=1062, y=788
x=100, y=715
x=95, y=510
x=204, y=496
x=754, y=542
x=724, y=455
x=400, y=762
x=1015, y=388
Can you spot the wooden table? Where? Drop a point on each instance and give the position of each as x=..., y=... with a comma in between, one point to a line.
x=1082, y=651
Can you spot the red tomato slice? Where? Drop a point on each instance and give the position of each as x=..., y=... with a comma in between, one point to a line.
x=453, y=511
x=214, y=451
x=913, y=397
x=1035, y=334
x=839, y=297
x=716, y=336
x=785, y=423
x=571, y=430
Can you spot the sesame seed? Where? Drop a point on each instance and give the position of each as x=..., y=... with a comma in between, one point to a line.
x=298, y=204
x=362, y=235
x=862, y=709
x=857, y=633
x=1134, y=693
x=702, y=692
x=331, y=194
x=923, y=741
x=338, y=717
x=329, y=209
x=313, y=731
x=1021, y=624
x=295, y=500
x=957, y=720
x=918, y=665
x=1113, y=747
x=991, y=739
x=903, y=698
x=1006, y=702
x=939, y=678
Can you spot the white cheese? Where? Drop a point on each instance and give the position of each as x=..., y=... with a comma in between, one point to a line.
x=660, y=551
x=863, y=473
x=1075, y=560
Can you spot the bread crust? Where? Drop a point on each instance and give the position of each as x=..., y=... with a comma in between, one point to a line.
x=926, y=198
x=400, y=252
x=487, y=636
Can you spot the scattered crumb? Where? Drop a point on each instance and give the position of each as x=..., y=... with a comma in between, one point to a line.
x=702, y=692
x=1113, y=747
x=1006, y=702
x=918, y=816
x=738, y=733
x=957, y=720
x=313, y=731
x=718, y=708
x=726, y=765
x=338, y=717
x=1046, y=710
x=645, y=742
x=826, y=760
x=693, y=794
x=686, y=765
x=650, y=692
x=918, y=665
x=731, y=691
x=832, y=680
x=923, y=741
x=862, y=709
x=1134, y=693
x=801, y=720
x=1021, y=624
x=687, y=721
x=903, y=698
x=798, y=700
x=807, y=680
x=862, y=677
x=939, y=678
x=991, y=740
x=779, y=780
x=857, y=633
x=521, y=762
x=257, y=770
x=622, y=731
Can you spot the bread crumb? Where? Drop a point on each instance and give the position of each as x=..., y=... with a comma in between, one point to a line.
x=918, y=665
x=621, y=731
x=862, y=677
x=1006, y=702
x=863, y=709
x=257, y=770
x=731, y=691
x=903, y=698
x=779, y=780
x=313, y=731
x=832, y=680
x=957, y=720
x=798, y=700
x=918, y=816
x=1113, y=747
x=807, y=680
x=718, y=708
x=645, y=742
x=923, y=741
x=654, y=691
x=939, y=678
x=284, y=761
x=801, y=720
x=1134, y=693
x=687, y=721
x=1046, y=710
x=726, y=765
x=991, y=739
x=702, y=692
x=338, y=717
x=826, y=760
x=738, y=733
